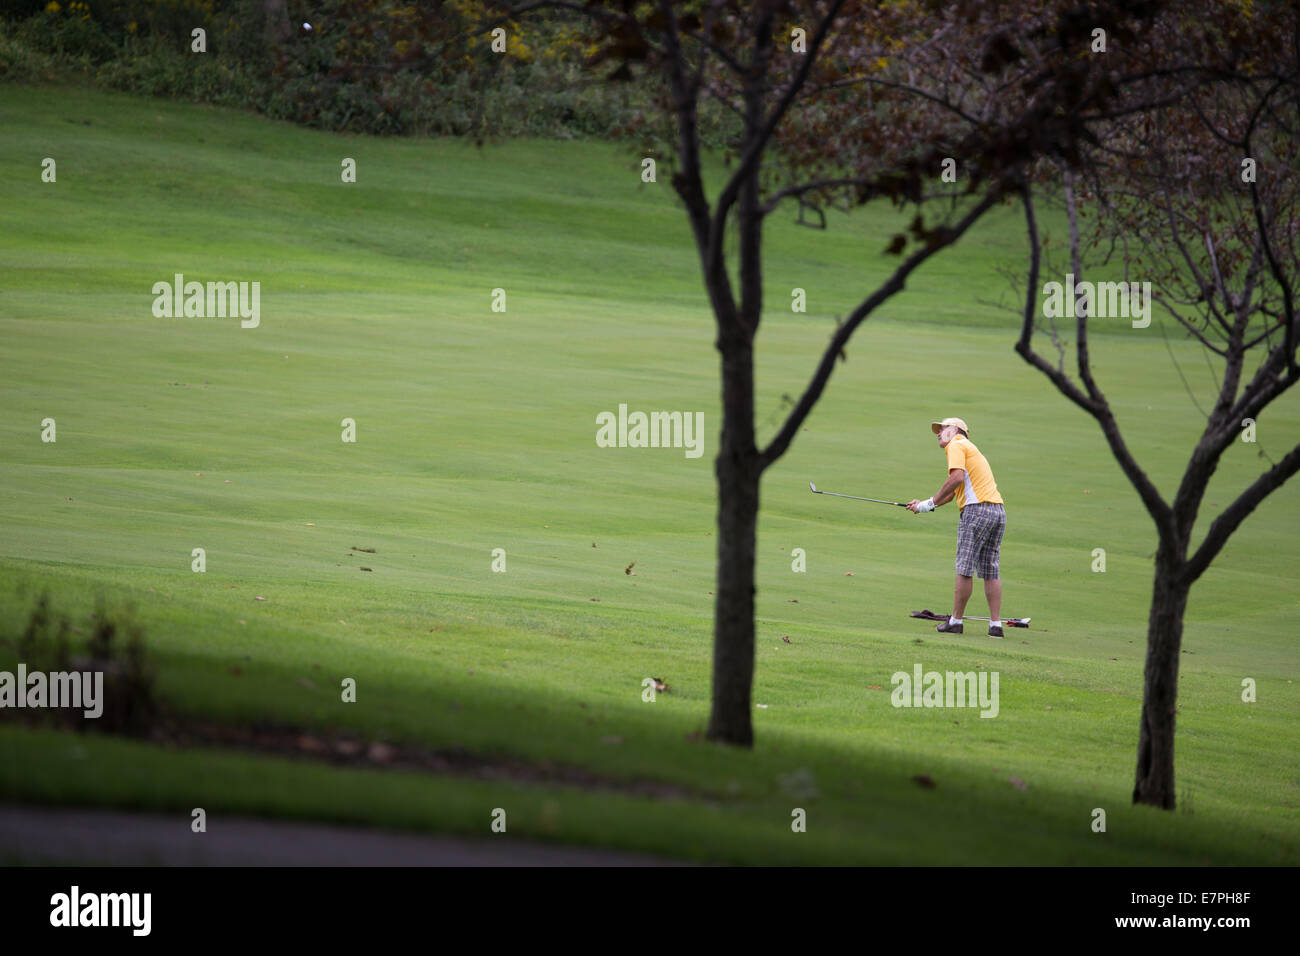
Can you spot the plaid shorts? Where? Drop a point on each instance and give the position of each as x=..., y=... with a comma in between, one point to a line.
x=979, y=535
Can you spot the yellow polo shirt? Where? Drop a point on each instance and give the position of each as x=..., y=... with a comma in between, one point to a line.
x=979, y=486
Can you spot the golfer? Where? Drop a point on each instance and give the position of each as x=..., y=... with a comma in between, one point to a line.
x=979, y=530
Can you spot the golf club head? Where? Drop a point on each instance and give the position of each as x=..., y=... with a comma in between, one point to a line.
x=812, y=486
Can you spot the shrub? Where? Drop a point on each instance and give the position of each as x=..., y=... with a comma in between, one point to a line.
x=115, y=649
x=69, y=31
x=383, y=67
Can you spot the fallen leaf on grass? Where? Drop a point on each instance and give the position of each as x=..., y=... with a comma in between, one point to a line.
x=367, y=569
x=801, y=784
x=660, y=685
x=366, y=550
x=628, y=569
x=259, y=598
x=304, y=682
x=786, y=638
x=1019, y=784
x=924, y=780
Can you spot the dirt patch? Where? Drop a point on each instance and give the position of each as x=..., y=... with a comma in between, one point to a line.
x=346, y=749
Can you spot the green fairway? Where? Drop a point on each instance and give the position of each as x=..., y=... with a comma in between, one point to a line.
x=475, y=431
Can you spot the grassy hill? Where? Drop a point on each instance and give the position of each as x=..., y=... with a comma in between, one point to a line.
x=475, y=431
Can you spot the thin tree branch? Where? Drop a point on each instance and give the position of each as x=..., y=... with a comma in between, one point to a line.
x=1093, y=402
x=687, y=180
x=777, y=447
x=758, y=142
x=1231, y=517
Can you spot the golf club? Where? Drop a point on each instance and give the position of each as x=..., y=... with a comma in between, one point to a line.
x=929, y=615
x=879, y=501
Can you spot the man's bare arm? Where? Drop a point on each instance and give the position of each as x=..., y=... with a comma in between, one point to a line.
x=955, y=479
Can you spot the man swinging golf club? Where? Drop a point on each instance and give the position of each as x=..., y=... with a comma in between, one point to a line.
x=980, y=527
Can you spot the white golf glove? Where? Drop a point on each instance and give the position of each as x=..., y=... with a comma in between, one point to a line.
x=924, y=506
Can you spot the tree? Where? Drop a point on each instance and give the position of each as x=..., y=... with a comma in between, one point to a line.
x=851, y=102
x=1202, y=197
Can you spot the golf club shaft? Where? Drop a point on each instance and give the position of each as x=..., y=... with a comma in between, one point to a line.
x=973, y=617
x=879, y=501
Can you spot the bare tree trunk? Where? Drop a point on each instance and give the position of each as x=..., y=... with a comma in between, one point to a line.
x=1154, y=783
x=738, y=470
